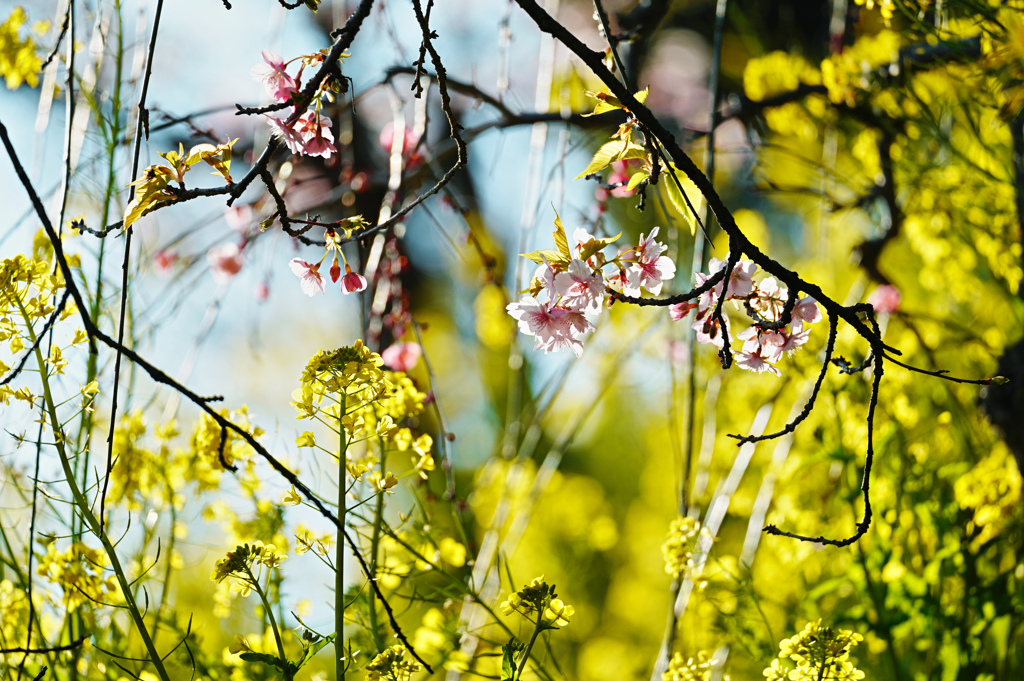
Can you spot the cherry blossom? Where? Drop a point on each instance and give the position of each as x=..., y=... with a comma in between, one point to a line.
x=649, y=269
x=291, y=136
x=680, y=310
x=352, y=282
x=309, y=276
x=164, y=261
x=308, y=135
x=740, y=282
x=770, y=298
x=805, y=311
x=402, y=356
x=271, y=73
x=554, y=327
x=225, y=261
x=885, y=299
x=756, y=363
x=317, y=139
x=580, y=288
x=708, y=331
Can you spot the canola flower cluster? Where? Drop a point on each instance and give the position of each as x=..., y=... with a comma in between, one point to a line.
x=391, y=665
x=79, y=572
x=680, y=546
x=244, y=563
x=537, y=600
x=28, y=291
x=815, y=654
x=697, y=668
x=19, y=57
x=369, y=402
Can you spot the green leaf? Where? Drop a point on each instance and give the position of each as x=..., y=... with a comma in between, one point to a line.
x=508, y=658
x=676, y=199
x=594, y=245
x=605, y=103
x=637, y=178
x=553, y=257
x=609, y=151
x=561, y=241
x=312, y=650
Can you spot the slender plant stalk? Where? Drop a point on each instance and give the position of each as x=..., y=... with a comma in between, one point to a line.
x=86, y=511
x=378, y=521
x=273, y=623
x=340, y=663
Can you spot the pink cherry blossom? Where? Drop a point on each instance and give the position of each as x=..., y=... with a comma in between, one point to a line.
x=164, y=261
x=291, y=136
x=402, y=356
x=708, y=331
x=805, y=311
x=555, y=328
x=261, y=291
x=740, y=282
x=766, y=344
x=271, y=73
x=225, y=261
x=317, y=139
x=310, y=279
x=240, y=217
x=649, y=269
x=794, y=340
x=769, y=298
x=580, y=288
x=407, y=142
x=755, y=362
x=352, y=282
x=680, y=310
x=709, y=298
x=885, y=299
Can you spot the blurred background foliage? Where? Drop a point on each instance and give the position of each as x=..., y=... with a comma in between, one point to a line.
x=873, y=147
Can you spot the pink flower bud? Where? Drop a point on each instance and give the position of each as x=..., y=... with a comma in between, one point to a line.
x=352, y=282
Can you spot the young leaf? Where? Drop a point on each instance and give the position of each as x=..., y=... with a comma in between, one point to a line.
x=637, y=178
x=594, y=245
x=553, y=257
x=675, y=197
x=605, y=103
x=609, y=151
x=509, y=652
x=561, y=241
x=312, y=650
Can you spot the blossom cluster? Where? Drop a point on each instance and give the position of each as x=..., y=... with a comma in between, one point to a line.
x=538, y=598
x=310, y=279
x=574, y=285
x=764, y=301
x=305, y=132
x=817, y=652
x=680, y=546
x=241, y=562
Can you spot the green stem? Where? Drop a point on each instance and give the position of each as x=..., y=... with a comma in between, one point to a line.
x=86, y=511
x=340, y=664
x=529, y=647
x=378, y=521
x=273, y=623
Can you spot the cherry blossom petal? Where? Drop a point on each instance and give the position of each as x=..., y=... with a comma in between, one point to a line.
x=225, y=261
